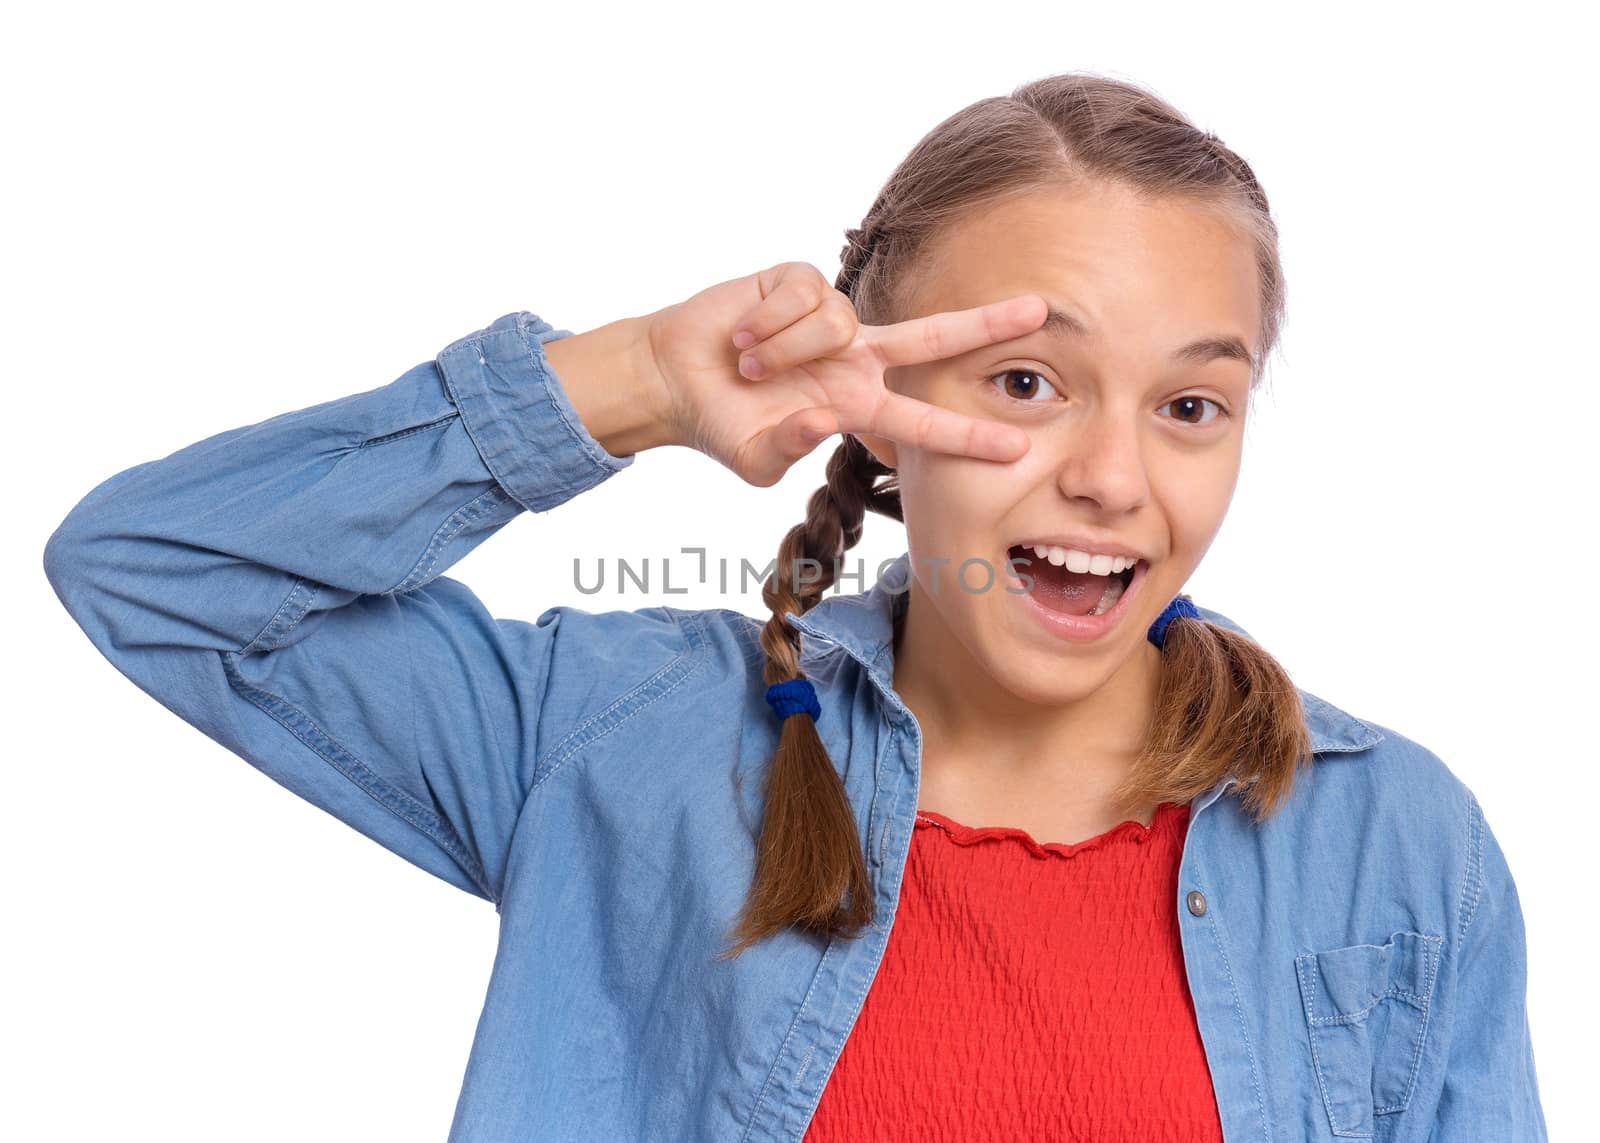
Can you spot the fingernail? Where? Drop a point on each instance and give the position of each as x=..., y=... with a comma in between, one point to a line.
x=749, y=366
x=813, y=435
x=744, y=339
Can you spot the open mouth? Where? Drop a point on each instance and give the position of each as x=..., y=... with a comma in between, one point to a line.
x=1074, y=593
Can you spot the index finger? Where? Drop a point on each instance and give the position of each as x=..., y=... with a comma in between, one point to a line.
x=954, y=332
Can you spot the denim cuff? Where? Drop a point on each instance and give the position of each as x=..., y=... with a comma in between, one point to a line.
x=518, y=415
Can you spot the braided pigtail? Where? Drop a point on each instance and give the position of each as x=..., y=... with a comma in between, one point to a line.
x=864, y=260
x=810, y=870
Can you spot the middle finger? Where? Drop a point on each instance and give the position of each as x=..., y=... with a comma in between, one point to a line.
x=937, y=429
x=821, y=332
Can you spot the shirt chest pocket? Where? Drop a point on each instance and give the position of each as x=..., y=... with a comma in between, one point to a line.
x=1366, y=1012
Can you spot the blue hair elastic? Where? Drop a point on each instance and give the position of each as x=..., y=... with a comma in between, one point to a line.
x=1180, y=605
x=793, y=696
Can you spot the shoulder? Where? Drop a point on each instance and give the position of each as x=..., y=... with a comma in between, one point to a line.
x=625, y=658
x=618, y=637
x=594, y=666
x=1391, y=813
x=1362, y=766
x=1374, y=780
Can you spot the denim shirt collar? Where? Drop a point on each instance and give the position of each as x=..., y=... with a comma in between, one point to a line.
x=862, y=625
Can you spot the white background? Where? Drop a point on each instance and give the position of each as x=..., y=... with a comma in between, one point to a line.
x=215, y=214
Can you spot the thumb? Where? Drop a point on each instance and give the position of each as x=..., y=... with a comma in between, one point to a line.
x=774, y=450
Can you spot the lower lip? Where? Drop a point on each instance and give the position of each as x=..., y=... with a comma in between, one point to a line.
x=1082, y=628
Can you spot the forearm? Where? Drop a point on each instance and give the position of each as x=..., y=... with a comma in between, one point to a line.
x=375, y=492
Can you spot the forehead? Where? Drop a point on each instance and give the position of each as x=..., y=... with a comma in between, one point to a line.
x=1166, y=268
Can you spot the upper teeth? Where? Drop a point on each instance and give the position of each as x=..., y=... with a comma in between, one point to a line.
x=1080, y=561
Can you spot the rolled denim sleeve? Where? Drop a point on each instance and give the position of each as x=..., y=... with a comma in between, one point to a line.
x=1491, y=1089
x=280, y=587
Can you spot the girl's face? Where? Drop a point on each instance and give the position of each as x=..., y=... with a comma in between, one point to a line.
x=1135, y=445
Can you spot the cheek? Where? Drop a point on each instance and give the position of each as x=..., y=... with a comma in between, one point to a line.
x=1195, y=503
x=953, y=504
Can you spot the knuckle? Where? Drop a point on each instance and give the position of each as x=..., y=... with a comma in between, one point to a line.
x=841, y=317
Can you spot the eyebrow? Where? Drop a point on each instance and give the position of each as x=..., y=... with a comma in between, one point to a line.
x=1059, y=323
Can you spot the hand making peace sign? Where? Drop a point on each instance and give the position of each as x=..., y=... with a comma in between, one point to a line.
x=818, y=370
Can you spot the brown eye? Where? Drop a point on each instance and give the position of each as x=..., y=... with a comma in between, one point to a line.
x=1193, y=407
x=1025, y=385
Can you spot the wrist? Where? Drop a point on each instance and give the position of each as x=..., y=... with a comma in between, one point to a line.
x=609, y=375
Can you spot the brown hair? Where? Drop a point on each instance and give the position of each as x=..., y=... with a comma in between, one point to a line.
x=1224, y=707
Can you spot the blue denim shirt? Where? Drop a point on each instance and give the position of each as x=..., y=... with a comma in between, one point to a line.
x=1357, y=963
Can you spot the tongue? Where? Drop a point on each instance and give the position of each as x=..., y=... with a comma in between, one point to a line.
x=1075, y=593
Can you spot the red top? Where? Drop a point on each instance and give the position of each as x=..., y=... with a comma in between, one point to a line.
x=1028, y=991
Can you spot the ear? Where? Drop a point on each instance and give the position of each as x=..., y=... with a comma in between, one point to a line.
x=880, y=447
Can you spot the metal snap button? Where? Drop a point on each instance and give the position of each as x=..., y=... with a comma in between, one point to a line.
x=1197, y=902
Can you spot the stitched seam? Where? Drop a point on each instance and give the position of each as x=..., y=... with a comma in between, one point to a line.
x=805, y=1002
x=872, y=806
x=1309, y=992
x=312, y=590
x=1372, y=739
x=875, y=676
x=411, y=695
x=1394, y=990
x=603, y=712
x=473, y=345
x=264, y=640
x=805, y=1063
x=401, y=804
x=470, y=512
x=1238, y=1018
x=883, y=834
x=873, y=673
x=1308, y=988
x=1473, y=880
x=401, y=434
x=666, y=680
x=539, y=362
x=304, y=591
x=1433, y=946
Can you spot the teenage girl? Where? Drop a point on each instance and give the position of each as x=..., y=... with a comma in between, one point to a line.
x=1017, y=841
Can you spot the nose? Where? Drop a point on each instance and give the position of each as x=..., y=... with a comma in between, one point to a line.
x=1102, y=463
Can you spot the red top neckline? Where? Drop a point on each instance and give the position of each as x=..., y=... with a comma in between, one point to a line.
x=1029, y=991
x=1167, y=815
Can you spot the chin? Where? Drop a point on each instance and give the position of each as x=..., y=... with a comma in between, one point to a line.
x=1044, y=680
